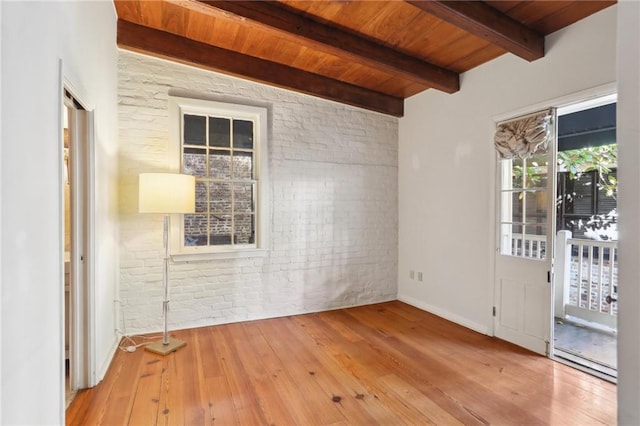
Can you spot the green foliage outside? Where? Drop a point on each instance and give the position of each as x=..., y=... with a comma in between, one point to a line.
x=533, y=170
x=576, y=162
x=584, y=160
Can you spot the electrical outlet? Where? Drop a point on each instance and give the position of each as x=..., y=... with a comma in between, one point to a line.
x=419, y=276
x=411, y=274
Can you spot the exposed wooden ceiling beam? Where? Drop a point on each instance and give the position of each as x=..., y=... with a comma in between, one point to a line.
x=268, y=15
x=169, y=46
x=482, y=20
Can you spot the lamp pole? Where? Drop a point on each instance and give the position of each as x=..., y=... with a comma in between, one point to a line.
x=165, y=280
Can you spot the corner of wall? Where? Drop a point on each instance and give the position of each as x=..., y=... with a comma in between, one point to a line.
x=443, y=313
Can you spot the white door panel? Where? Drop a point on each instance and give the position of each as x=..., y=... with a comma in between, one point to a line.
x=535, y=296
x=526, y=214
x=510, y=305
x=523, y=305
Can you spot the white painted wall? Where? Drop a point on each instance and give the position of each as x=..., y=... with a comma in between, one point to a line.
x=333, y=189
x=629, y=208
x=35, y=35
x=447, y=166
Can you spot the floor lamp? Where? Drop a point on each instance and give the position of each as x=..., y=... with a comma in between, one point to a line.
x=166, y=193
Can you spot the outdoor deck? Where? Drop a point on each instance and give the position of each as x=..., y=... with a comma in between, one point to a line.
x=594, y=349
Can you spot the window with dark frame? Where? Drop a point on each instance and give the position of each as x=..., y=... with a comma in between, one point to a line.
x=219, y=151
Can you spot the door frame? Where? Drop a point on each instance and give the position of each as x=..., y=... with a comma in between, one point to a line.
x=559, y=102
x=580, y=362
x=82, y=333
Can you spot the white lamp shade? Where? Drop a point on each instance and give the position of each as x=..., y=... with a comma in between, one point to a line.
x=166, y=193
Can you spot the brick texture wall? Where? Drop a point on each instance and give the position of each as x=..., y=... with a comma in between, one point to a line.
x=333, y=212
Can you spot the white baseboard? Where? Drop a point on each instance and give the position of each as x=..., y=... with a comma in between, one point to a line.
x=207, y=322
x=465, y=322
x=106, y=363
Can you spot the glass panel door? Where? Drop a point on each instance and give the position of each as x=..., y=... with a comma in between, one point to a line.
x=524, y=199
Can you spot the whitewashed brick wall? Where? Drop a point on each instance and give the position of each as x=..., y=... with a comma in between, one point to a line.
x=334, y=227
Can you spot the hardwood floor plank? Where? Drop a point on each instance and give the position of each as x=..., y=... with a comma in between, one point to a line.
x=249, y=340
x=407, y=312
x=433, y=413
x=187, y=371
x=200, y=381
x=343, y=329
x=356, y=403
x=221, y=408
x=146, y=403
x=287, y=383
x=169, y=412
x=209, y=358
x=318, y=406
x=118, y=405
x=216, y=393
x=241, y=389
x=387, y=363
x=283, y=390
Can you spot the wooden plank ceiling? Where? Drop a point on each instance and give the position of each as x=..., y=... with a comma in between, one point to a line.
x=370, y=54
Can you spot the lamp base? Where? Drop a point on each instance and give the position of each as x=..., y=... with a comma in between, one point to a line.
x=162, y=349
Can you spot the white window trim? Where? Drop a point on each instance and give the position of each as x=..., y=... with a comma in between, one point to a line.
x=179, y=106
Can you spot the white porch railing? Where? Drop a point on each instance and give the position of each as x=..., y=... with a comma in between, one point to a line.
x=586, y=280
x=528, y=245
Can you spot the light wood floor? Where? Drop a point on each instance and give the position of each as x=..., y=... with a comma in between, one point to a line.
x=385, y=364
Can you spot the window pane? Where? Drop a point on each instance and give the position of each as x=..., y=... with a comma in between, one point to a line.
x=243, y=197
x=511, y=238
x=194, y=162
x=536, y=206
x=244, y=229
x=536, y=169
x=242, y=134
x=535, y=202
x=195, y=230
x=219, y=132
x=535, y=229
x=527, y=240
x=516, y=173
x=534, y=244
x=517, y=200
x=220, y=164
x=220, y=230
x=201, y=197
x=220, y=197
x=242, y=165
x=194, y=129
